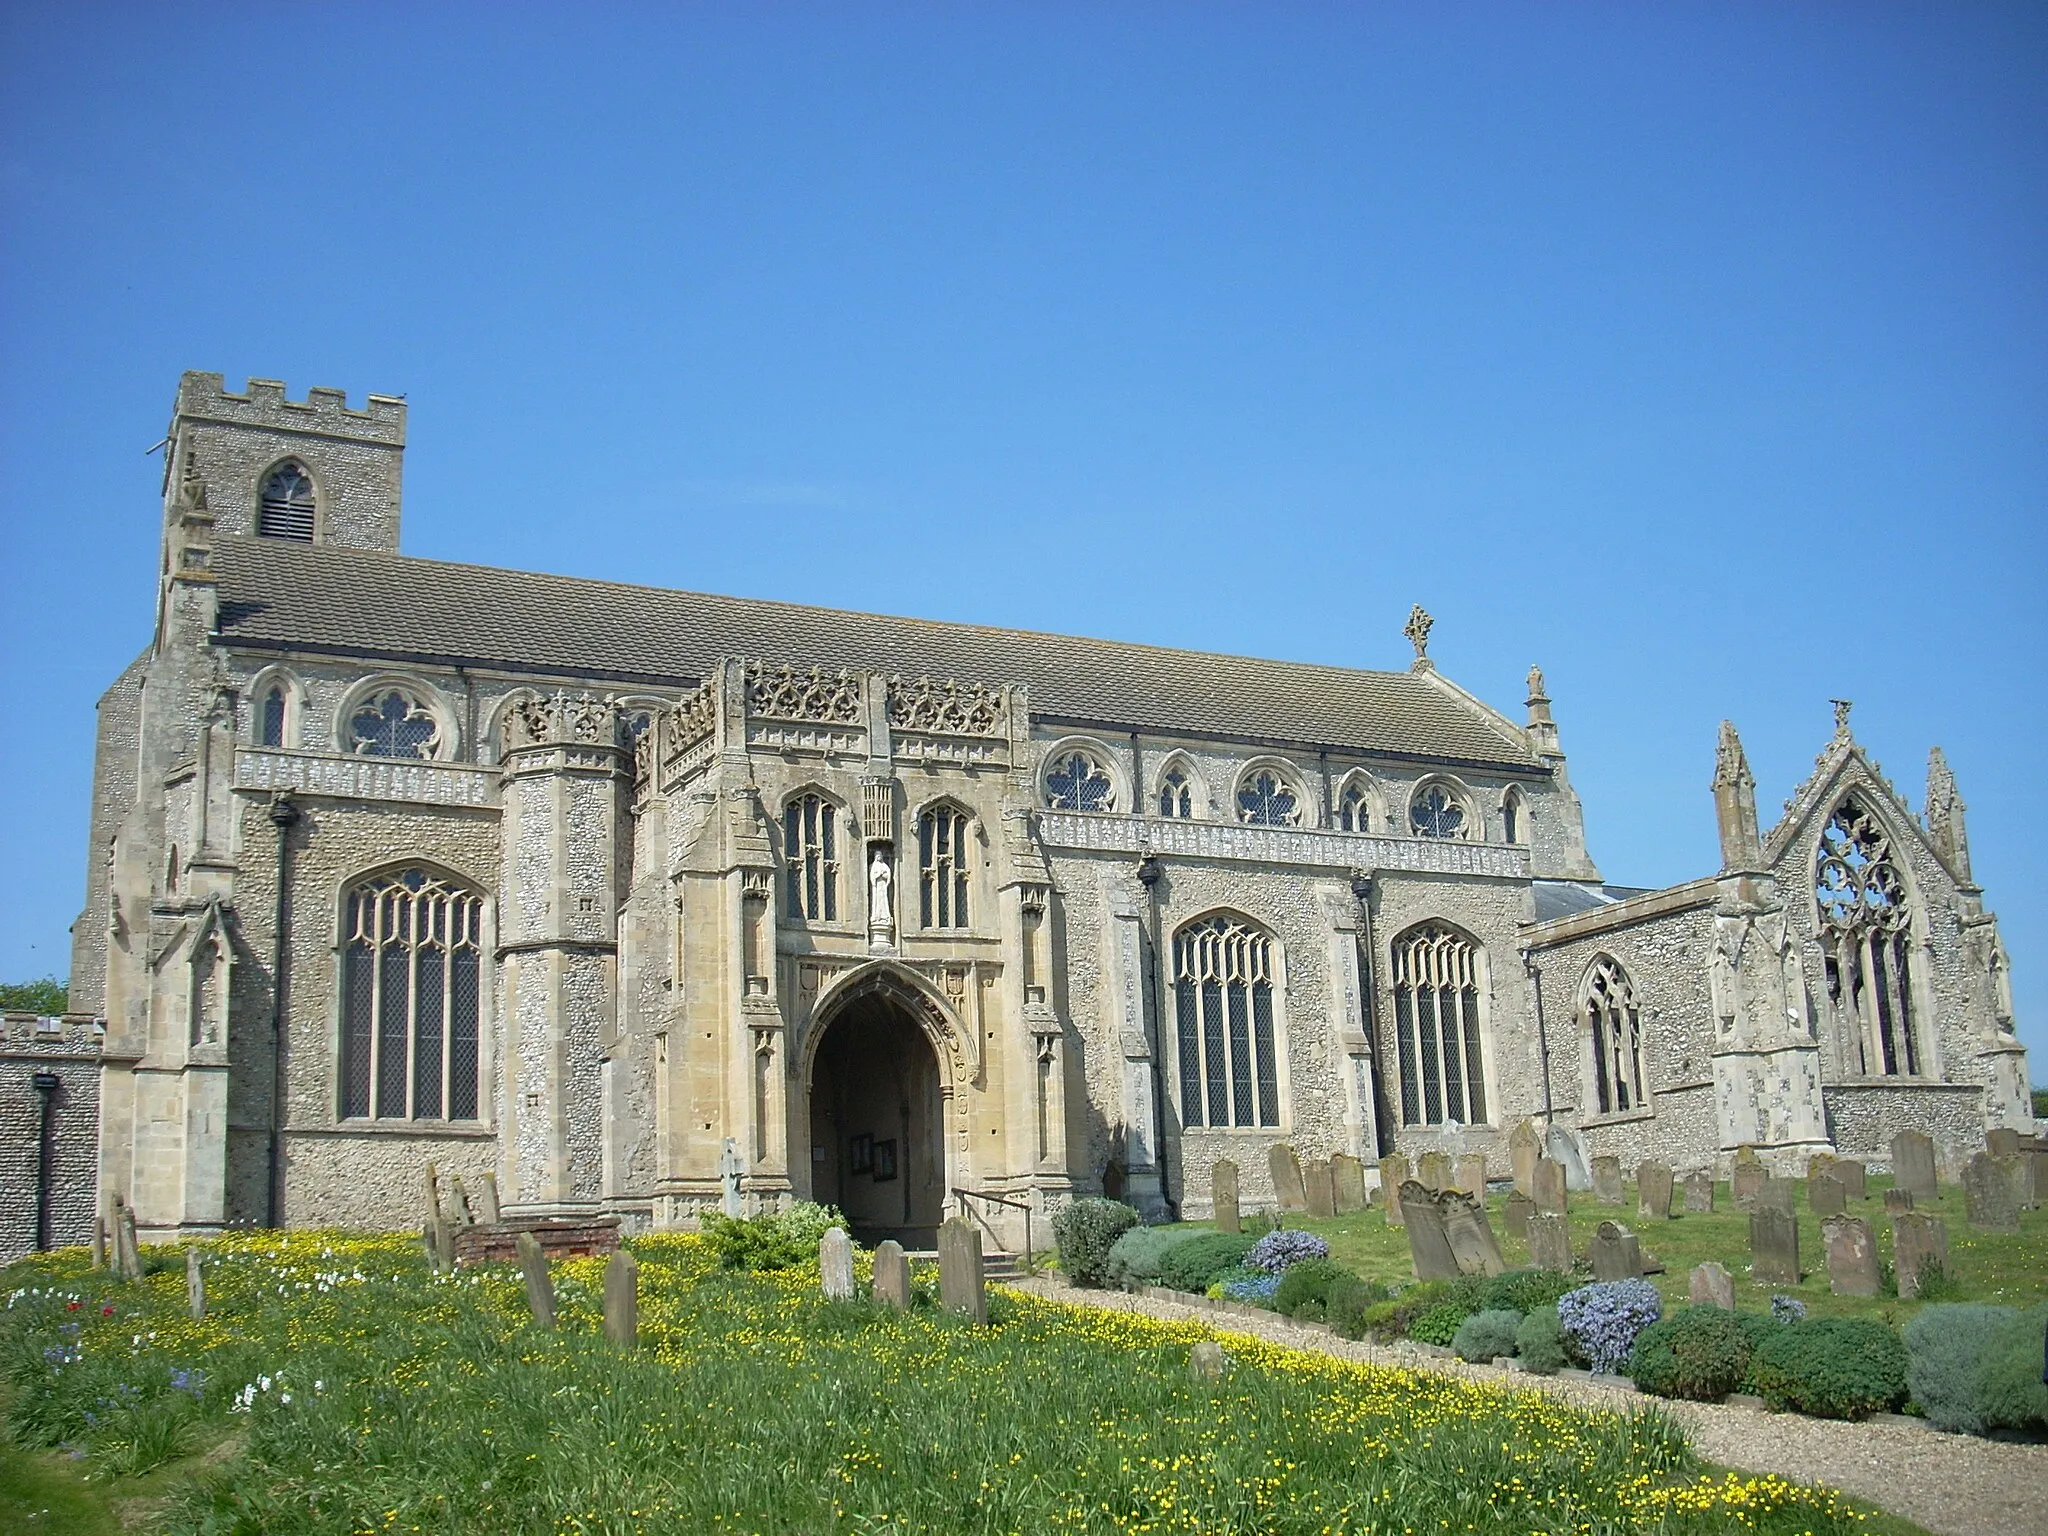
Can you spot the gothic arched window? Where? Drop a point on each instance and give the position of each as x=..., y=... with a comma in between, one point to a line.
x=1436, y=1027
x=1436, y=812
x=270, y=729
x=411, y=998
x=1265, y=799
x=393, y=723
x=1514, y=816
x=1866, y=938
x=1354, y=809
x=942, y=867
x=810, y=845
x=1077, y=782
x=1223, y=1000
x=1177, y=794
x=1617, y=1029
x=284, y=510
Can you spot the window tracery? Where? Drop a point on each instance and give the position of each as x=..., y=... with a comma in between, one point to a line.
x=1266, y=799
x=411, y=998
x=285, y=507
x=1617, y=1030
x=270, y=727
x=1223, y=999
x=393, y=722
x=1442, y=1073
x=1514, y=816
x=1076, y=781
x=1866, y=937
x=810, y=844
x=942, y=864
x=1354, y=808
x=1177, y=794
x=1437, y=811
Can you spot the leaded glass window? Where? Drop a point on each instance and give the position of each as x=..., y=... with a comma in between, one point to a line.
x=1223, y=1001
x=942, y=867
x=392, y=723
x=1436, y=1027
x=1617, y=1029
x=1514, y=816
x=1435, y=812
x=1077, y=782
x=1267, y=800
x=270, y=731
x=285, y=508
x=411, y=998
x=1176, y=795
x=1354, y=810
x=810, y=845
x=1866, y=939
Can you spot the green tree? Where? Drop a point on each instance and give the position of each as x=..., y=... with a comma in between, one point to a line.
x=48, y=996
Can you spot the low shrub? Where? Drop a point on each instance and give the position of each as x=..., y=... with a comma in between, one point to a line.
x=1787, y=1309
x=1348, y=1302
x=1310, y=1280
x=1937, y=1284
x=1192, y=1265
x=1944, y=1345
x=1133, y=1259
x=1241, y=1284
x=1484, y=1335
x=1524, y=1290
x=1540, y=1342
x=1601, y=1320
x=774, y=1240
x=1832, y=1368
x=1701, y=1353
x=2010, y=1392
x=1439, y=1325
x=1086, y=1230
x=1282, y=1250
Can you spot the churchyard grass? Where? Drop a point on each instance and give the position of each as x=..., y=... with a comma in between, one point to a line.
x=347, y=1389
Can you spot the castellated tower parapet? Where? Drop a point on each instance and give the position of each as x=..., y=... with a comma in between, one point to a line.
x=351, y=459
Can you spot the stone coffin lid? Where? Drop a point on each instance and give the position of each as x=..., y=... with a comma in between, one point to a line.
x=281, y=594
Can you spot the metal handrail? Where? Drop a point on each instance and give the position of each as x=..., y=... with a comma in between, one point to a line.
x=967, y=1212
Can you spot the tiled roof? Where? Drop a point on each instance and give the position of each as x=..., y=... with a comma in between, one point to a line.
x=278, y=594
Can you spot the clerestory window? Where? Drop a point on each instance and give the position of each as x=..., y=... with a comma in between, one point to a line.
x=411, y=998
x=1617, y=1029
x=285, y=508
x=1436, y=1027
x=270, y=729
x=810, y=844
x=1354, y=809
x=1267, y=800
x=1435, y=812
x=942, y=867
x=1223, y=1002
x=1177, y=795
x=1866, y=939
x=1077, y=782
x=393, y=723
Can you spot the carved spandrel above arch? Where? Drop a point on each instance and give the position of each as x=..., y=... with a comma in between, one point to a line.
x=945, y=997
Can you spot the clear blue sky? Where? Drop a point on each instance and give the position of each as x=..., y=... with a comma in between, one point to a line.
x=1699, y=353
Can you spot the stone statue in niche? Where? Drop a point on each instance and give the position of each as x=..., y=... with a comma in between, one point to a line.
x=881, y=910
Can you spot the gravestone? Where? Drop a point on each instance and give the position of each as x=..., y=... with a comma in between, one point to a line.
x=99, y=1241
x=835, y=1264
x=892, y=1276
x=1515, y=1215
x=1428, y=1244
x=1617, y=1255
x=1469, y=1174
x=1855, y=1177
x=1550, y=1182
x=1561, y=1146
x=1825, y=1195
x=1987, y=1195
x=1918, y=1243
x=434, y=1232
x=1773, y=1192
x=731, y=1169
x=1525, y=1146
x=1433, y=1171
x=1699, y=1194
x=195, y=1285
x=1852, y=1256
x=1550, y=1241
x=622, y=1299
x=1653, y=1191
x=1607, y=1179
x=1223, y=1196
x=487, y=1200
x=1898, y=1201
x=540, y=1285
x=2019, y=1168
x=1471, y=1239
x=1207, y=1362
x=127, y=1251
x=2003, y=1142
x=962, y=1288
x=1393, y=1174
x=1347, y=1174
x=1712, y=1286
x=1287, y=1186
x=1321, y=1190
x=1747, y=1178
x=465, y=1213
x=1913, y=1164
x=1773, y=1246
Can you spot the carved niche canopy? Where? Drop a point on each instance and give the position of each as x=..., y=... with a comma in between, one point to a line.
x=945, y=707
x=778, y=691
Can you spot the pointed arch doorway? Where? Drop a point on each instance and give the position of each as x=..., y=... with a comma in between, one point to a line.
x=878, y=1120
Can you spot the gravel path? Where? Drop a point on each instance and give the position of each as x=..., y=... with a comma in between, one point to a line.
x=1955, y=1485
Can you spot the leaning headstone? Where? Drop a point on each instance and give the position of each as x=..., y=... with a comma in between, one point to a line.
x=835, y=1264
x=127, y=1250
x=1347, y=1174
x=1287, y=1186
x=1747, y=1179
x=1825, y=1195
x=540, y=1285
x=1469, y=1174
x=465, y=1213
x=1653, y=1191
x=2003, y=1142
x=1515, y=1215
x=1919, y=1243
x=1320, y=1189
x=1773, y=1246
x=892, y=1276
x=195, y=1285
x=434, y=1231
x=1712, y=1286
x=1207, y=1362
x=1617, y=1255
x=1550, y=1183
x=1854, y=1176
x=1607, y=1179
x=1433, y=1171
x=1471, y=1239
x=1852, y=1255
x=487, y=1200
x=1773, y=1192
x=1561, y=1146
x=1550, y=1241
x=1525, y=1146
x=1699, y=1194
x=622, y=1299
x=1898, y=1201
x=1428, y=1244
x=1223, y=1196
x=962, y=1289
x=1987, y=1195
x=1393, y=1174
x=1913, y=1164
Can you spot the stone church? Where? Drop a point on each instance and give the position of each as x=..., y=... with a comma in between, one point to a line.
x=648, y=902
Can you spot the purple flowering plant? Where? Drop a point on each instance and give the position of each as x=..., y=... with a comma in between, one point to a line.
x=1280, y=1251
x=1603, y=1319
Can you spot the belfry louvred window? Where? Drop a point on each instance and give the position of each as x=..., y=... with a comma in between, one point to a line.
x=810, y=845
x=1436, y=1027
x=285, y=508
x=1866, y=939
x=411, y=999
x=1223, y=1001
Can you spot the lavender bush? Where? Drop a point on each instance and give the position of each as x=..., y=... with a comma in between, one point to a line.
x=1602, y=1319
x=1277, y=1252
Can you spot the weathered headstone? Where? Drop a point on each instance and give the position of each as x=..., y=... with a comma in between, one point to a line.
x=487, y=1200
x=1712, y=1286
x=1617, y=1255
x=1855, y=1177
x=1607, y=1179
x=1287, y=1186
x=1347, y=1175
x=2038, y=1162
x=1550, y=1241
x=465, y=1213
x=1774, y=1192
x=731, y=1169
x=1549, y=1189
x=1987, y=1195
x=2019, y=1168
x=1320, y=1189
x=622, y=1299
x=1913, y=1164
x=892, y=1276
x=1653, y=1191
x=1919, y=1243
x=1773, y=1246
x=1469, y=1174
x=962, y=1289
x=127, y=1250
x=1428, y=1244
x=1207, y=1362
x=1748, y=1177
x=2003, y=1142
x=1393, y=1174
x=835, y=1265
x=1825, y=1195
x=1898, y=1201
x=1470, y=1237
x=1699, y=1194
x=195, y=1284
x=1515, y=1215
x=1852, y=1255
x=435, y=1231
x=540, y=1285
x=1433, y=1171
x=1561, y=1146
x=99, y=1241
x=1525, y=1146
x=1223, y=1196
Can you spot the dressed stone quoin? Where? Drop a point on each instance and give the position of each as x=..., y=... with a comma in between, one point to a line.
x=653, y=902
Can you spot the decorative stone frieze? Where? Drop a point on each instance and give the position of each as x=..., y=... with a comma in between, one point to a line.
x=779, y=691
x=944, y=707
x=360, y=778
x=1277, y=845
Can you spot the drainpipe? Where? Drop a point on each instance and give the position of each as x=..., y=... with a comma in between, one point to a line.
x=284, y=816
x=1368, y=1002
x=1542, y=1039
x=47, y=1083
x=1148, y=876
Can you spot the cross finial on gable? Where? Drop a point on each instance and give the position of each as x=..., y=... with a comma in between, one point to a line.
x=1842, y=708
x=1417, y=630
